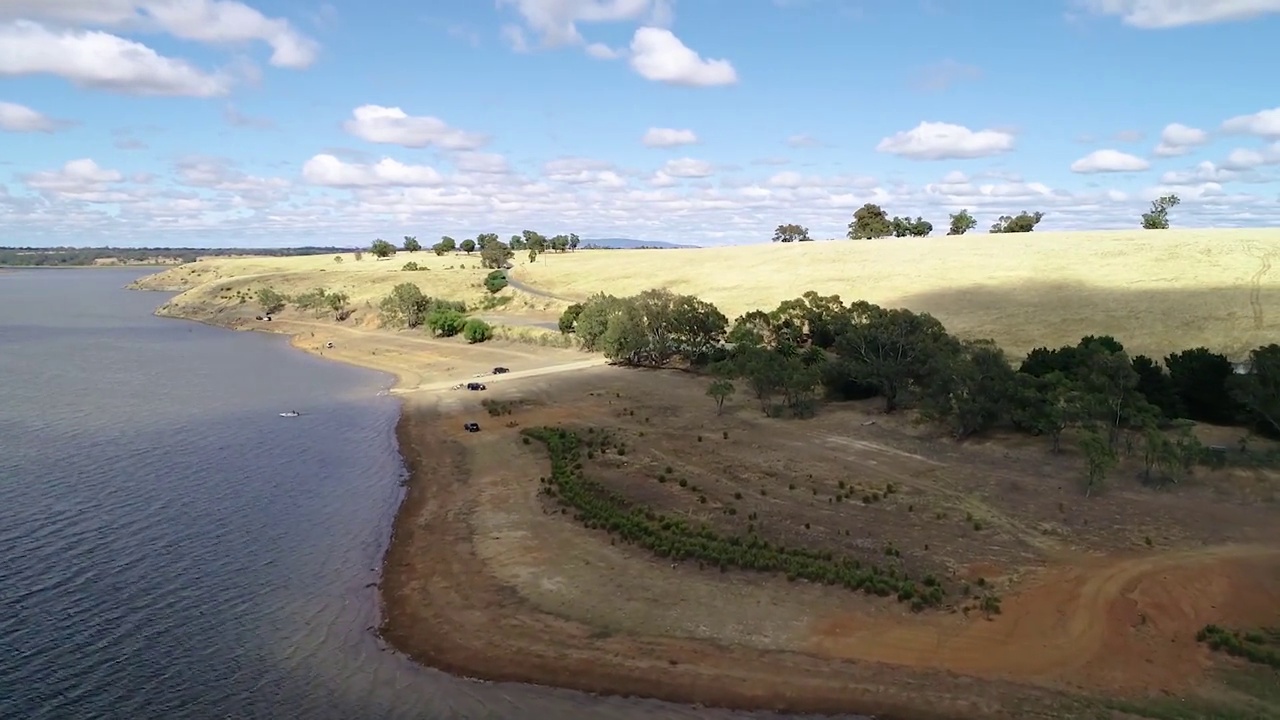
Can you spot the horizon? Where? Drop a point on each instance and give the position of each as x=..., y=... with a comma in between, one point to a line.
x=227, y=124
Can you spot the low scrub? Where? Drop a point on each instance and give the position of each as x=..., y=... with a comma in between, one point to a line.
x=1256, y=646
x=599, y=508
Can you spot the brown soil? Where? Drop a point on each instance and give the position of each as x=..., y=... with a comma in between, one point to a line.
x=1100, y=595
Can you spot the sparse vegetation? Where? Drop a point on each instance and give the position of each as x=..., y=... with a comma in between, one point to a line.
x=1257, y=646
x=1158, y=217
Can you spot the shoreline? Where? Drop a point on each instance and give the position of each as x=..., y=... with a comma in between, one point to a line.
x=678, y=670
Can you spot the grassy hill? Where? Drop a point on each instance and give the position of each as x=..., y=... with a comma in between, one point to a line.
x=1156, y=291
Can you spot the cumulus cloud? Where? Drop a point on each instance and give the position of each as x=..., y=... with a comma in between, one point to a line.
x=20, y=118
x=95, y=59
x=81, y=179
x=1109, y=161
x=1265, y=123
x=944, y=141
x=1178, y=139
x=207, y=21
x=329, y=171
x=393, y=126
x=658, y=55
x=556, y=21
x=600, y=51
x=668, y=137
x=687, y=168
x=1160, y=14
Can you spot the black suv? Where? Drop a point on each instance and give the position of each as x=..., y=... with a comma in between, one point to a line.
x=501, y=370
x=471, y=427
x=475, y=386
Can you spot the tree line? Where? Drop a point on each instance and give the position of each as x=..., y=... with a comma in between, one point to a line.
x=816, y=349
x=494, y=253
x=871, y=221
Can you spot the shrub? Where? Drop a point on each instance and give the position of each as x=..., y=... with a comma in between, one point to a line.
x=411, y=266
x=477, y=331
x=446, y=322
x=495, y=281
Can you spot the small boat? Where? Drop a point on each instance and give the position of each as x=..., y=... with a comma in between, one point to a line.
x=291, y=413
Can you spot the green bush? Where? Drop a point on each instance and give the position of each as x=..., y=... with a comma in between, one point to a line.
x=477, y=331
x=446, y=322
x=495, y=281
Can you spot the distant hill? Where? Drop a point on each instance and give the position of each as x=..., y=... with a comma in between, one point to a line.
x=628, y=244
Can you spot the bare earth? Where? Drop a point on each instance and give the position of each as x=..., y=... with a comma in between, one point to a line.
x=1102, y=597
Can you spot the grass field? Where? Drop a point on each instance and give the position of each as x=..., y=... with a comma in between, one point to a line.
x=1156, y=291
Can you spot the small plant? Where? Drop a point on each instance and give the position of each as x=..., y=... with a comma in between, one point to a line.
x=725, y=434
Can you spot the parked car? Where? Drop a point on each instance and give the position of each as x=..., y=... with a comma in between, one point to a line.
x=471, y=427
x=501, y=370
x=475, y=386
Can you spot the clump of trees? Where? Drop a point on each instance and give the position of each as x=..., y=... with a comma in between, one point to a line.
x=1023, y=222
x=961, y=223
x=271, y=301
x=818, y=347
x=406, y=306
x=382, y=249
x=1158, y=217
x=318, y=300
x=411, y=244
x=597, y=507
x=495, y=281
x=791, y=233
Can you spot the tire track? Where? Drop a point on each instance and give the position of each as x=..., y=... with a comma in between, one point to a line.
x=1255, y=286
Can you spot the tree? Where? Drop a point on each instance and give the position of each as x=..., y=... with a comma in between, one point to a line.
x=1259, y=388
x=445, y=321
x=569, y=318
x=1157, y=387
x=476, y=330
x=495, y=281
x=495, y=256
x=1158, y=217
x=468, y=246
x=891, y=348
x=961, y=223
x=448, y=244
x=559, y=243
x=382, y=249
x=337, y=259
x=791, y=233
x=906, y=227
x=337, y=302
x=1023, y=222
x=406, y=306
x=970, y=389
x=357, y=255
x=411, y=244
x=721, y=389
x=1199, y=378
x=1099, y=457
x=484, y=240
x=517, y=242
x=869, y=221
x=271, y=301
x=574, y=241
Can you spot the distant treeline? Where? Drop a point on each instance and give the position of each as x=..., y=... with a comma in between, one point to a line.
x=74, y=256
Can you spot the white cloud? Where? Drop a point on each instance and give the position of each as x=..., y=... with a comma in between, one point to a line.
x=1159, y=14
x=515, y=39
x=329, y=171
x=944, y=141
x=658, y=55
x=1178, y=139
x=207, y=21
x=556, y=21
x=100, y=60
x=668, y=137
x=1247, y=159
x=392, y=126
x=1265, y=123
x=20, y=118
x=583, y=172
x=803, y=141
x=600, y=51
x=481, y=163
x=688, y=168
x=1204, y=172
x=81, y=179
x=1109, y=161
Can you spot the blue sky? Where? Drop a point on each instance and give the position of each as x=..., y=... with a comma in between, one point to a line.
x=279, y=122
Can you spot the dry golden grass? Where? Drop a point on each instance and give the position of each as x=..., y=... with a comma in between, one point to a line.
x=1155, y=291
x=216, y=281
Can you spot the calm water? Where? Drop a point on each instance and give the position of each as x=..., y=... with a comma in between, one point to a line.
x=172, y=548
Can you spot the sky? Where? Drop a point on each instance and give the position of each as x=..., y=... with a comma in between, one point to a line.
x=222, y=123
